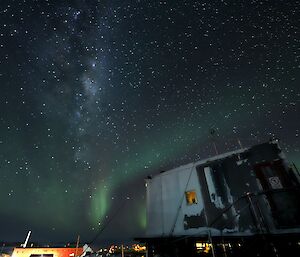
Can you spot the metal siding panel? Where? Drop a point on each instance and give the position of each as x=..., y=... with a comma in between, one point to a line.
x=170, y=195
x=154, y=207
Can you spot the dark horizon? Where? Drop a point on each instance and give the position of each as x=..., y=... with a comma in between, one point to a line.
x=46, y=244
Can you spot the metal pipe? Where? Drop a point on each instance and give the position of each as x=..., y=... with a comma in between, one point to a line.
x=27, y=238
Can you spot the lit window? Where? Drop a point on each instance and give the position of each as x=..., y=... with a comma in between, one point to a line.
x=191, y=197
x=41, y=255
x=203, y=247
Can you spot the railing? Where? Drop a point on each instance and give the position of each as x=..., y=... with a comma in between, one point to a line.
x=254, y=210
x=253, y=205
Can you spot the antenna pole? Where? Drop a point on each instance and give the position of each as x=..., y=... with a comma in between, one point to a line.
x=122, y=250
x=77, y=245
x=240, y=143
x=27, y=238
x=213, y=134
x=215, y=147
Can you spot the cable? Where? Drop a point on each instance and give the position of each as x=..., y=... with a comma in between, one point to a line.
x=107, y=223
x=104, y=227
x=181, y=200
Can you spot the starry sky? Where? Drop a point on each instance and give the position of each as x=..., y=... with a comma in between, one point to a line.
x=98, y=94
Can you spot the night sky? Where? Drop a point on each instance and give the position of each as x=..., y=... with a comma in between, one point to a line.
x=96, y=95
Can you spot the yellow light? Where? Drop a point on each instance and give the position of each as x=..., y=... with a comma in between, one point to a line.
x=203, y=247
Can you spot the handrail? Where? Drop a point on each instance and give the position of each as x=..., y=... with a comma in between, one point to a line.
x=227, y=209
x=249, y=194
x=264, y=192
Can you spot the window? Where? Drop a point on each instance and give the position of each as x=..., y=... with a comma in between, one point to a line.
x=41, y=255
x=191, y=197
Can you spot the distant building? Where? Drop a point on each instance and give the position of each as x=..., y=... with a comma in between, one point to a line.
x=234, y=196
x=47, y=252
x=4, y=255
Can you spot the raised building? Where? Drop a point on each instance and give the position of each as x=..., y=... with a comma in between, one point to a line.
x=236, y=196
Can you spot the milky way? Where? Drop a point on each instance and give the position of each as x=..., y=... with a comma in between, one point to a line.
x=96, y=95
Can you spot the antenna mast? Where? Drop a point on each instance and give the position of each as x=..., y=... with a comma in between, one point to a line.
x=27, y=238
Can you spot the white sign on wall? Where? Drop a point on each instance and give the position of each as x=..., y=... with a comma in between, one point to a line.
x=275, y=183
